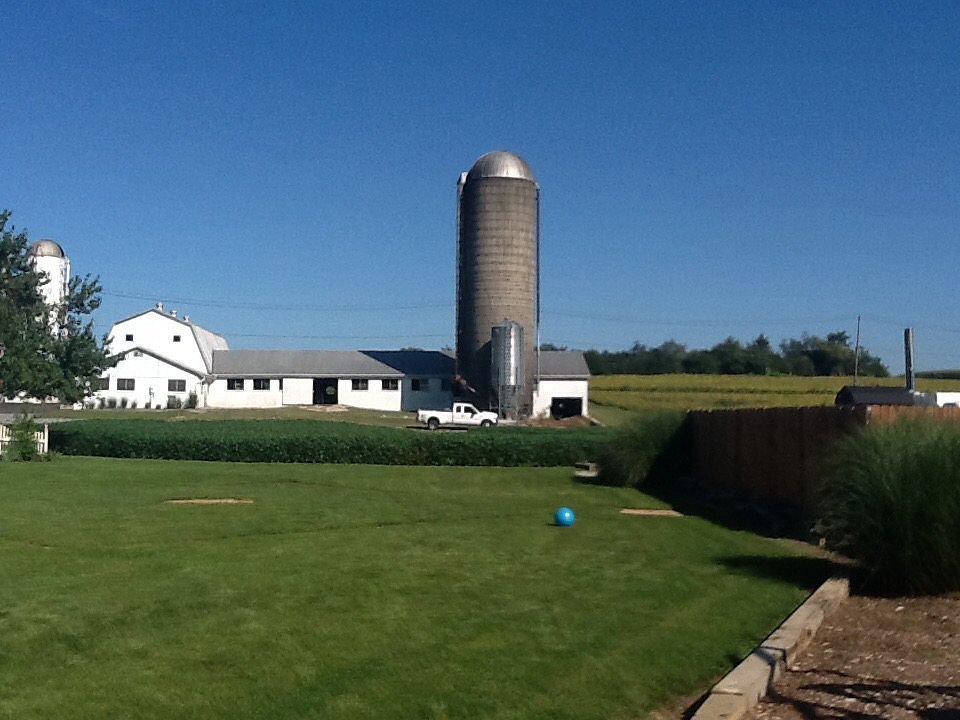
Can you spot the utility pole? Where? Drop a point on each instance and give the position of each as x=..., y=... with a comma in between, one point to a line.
x=908, y=357
x=856, y=355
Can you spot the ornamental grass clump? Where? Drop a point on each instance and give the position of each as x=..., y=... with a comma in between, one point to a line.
x=652, y=448
x=891, y=501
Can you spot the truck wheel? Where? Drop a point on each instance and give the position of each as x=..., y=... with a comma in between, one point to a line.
x=433, y=424
x=486, y=423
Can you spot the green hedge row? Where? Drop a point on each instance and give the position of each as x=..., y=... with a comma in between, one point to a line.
x=323, y=442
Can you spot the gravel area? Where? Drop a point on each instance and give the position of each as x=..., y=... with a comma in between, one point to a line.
x=876, y=658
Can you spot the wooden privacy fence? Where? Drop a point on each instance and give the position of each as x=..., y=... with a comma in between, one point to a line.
x=42, y=438
x=778, y=454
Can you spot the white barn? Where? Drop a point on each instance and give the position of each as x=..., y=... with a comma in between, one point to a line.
x=165, y=360
x=161, y=358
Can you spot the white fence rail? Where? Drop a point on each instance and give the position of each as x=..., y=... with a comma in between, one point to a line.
x=42, y=438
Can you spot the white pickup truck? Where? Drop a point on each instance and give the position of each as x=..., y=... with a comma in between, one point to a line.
x=461, y=415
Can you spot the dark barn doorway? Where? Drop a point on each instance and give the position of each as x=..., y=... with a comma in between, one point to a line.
x=566, y=407
x=324, y=391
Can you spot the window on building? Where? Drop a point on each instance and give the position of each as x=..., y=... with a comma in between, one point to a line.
x=176, y=385
x=420, y=384
x=445, y=384
x=129, y=337
x=104, y=383
x=280, y=382
x=391, y=384
x=234, y=383
x=176, y=338
x=261, y=383
x=125, y=383
x=359, y=384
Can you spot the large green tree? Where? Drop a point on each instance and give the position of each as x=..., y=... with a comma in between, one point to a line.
x=44, y=352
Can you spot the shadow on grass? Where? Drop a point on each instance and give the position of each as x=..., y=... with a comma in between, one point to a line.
x=804, y=572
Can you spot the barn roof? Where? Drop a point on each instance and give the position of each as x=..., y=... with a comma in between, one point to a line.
x=299, y=363
x=875, y=395
x=554, y=364
x=415, y=362
x=563, y=364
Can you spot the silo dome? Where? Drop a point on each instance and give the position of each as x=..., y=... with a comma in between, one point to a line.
x=47, y=248
x=501, y=164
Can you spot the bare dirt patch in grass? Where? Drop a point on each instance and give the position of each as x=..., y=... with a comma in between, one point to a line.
x=209, y=501
x=647, y=512
x=876, y=658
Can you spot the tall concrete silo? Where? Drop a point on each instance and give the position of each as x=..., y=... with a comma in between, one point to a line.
x=498, y=247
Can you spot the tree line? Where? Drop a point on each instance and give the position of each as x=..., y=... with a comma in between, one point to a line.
x=809, y=355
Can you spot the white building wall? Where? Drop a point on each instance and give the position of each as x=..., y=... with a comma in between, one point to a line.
x=549, y=389
x=431, y=394
x=218, y=396
x=297, y=391
x=373, y=398
x=151, y=376
x=947, y=398
x=154, y=330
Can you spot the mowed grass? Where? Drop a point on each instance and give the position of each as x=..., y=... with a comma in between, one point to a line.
x=363, y=592
x=691, y=392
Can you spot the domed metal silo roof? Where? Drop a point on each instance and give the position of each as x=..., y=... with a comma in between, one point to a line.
x=503, y=164
x=46, y=248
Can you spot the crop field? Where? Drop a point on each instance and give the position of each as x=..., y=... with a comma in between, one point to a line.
x=327, y=413
x=364, y=592
x=689, y=392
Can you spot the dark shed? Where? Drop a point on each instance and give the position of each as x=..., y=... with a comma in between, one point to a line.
x=859, y=395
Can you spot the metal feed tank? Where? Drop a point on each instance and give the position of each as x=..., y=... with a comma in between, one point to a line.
x=506, y=367
x=498, y=247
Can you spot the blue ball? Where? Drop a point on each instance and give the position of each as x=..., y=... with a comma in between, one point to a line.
x=564, y=517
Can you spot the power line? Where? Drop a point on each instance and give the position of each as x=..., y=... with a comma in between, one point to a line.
x=270, y=307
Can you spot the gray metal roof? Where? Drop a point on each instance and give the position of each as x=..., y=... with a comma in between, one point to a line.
x=416, y=362
x=208, y=342
x=563, y=364
x=502, y=164
x=299, y=363
x=46, y=248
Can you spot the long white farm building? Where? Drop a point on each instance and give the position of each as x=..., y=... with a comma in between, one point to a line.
x=164, y=359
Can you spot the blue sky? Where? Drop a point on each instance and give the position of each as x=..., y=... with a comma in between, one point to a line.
x=286, y=172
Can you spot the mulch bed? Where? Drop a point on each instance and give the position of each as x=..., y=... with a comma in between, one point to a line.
x=876, y=658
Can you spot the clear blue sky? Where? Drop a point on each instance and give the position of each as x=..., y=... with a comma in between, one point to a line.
x=286, y=172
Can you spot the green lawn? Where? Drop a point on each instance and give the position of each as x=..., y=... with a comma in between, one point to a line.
x=363, y=592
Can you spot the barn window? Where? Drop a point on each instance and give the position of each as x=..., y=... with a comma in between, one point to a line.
x=391, y=384
x=420, y=384
x=261, y=383
x=176, y=385
x=359, y=384
x=234, y=383
x=125, y=383
x=176, y=338
x=129, y=337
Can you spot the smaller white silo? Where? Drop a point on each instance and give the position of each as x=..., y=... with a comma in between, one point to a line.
x=49, y=260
